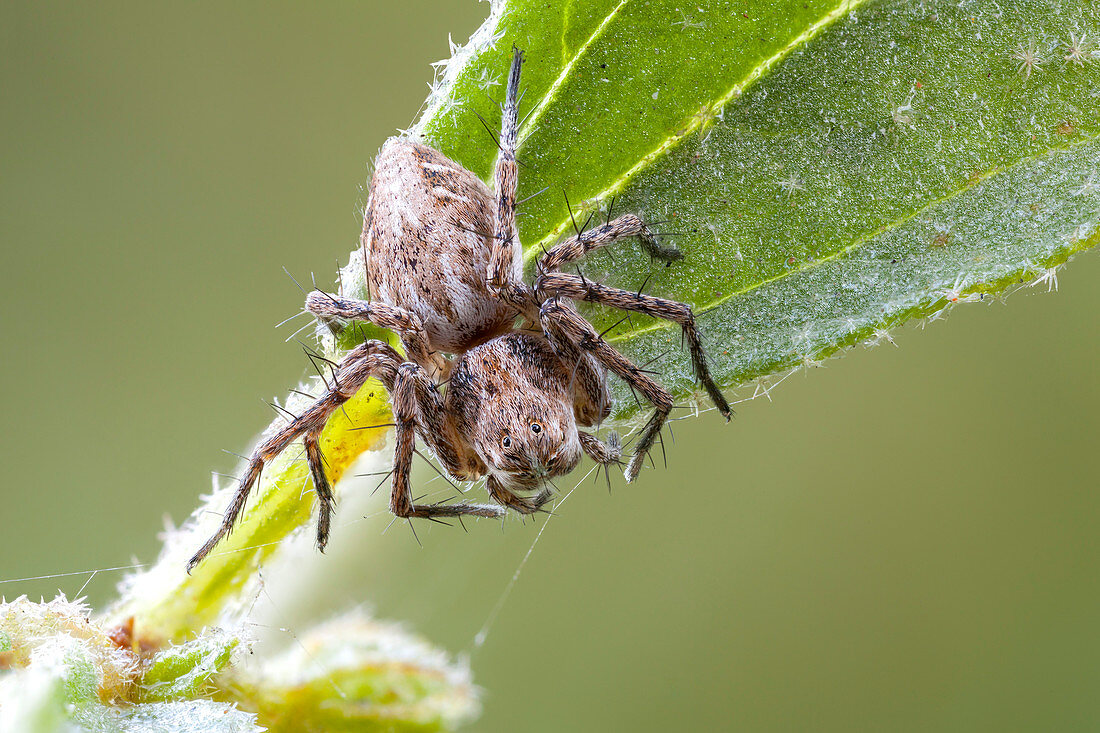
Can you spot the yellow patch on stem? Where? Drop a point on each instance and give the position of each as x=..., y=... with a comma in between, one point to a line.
x=169, y=605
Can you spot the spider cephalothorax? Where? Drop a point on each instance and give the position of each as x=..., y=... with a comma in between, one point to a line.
x=444, y=272
x=521, y=441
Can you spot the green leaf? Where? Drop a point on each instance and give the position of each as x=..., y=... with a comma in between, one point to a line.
x=185, y=716
x=35, y=701
x=355, y=674
x=830, y=169
x=185, y=670
x=59, y=637
x=67, y=674
x=166, y=604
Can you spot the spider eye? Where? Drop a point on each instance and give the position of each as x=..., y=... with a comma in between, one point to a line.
x=506, y=441
x=536, y=427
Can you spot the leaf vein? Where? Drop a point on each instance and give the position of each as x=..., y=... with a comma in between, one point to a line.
x=864, y=239
x=567, y=69
x=697, y=120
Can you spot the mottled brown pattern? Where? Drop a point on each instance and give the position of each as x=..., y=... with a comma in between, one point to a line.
x=444, y=272
x=426, y=244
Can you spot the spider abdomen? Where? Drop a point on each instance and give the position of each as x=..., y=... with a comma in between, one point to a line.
x=427, y=237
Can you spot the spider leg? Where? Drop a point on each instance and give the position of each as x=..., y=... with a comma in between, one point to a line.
x=628, y=225
x=435, y=427
x=369, y=359
x=555, y=315
x=405, y=408
x=605, y=453
x=331, y=308
x=325, y=498
x=562, y=284
x=588, y=379
x=504, y=277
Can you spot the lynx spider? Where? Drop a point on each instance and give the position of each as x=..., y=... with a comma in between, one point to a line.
x=444, y=272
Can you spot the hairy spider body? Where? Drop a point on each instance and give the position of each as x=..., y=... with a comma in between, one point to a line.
x=424, y=249
x=444, y=272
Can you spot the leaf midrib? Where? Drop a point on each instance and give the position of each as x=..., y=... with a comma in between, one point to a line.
x=692, y=123
x=566, y=70
x=865, y=238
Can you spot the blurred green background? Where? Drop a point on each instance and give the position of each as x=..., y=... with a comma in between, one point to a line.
x=903, y=540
